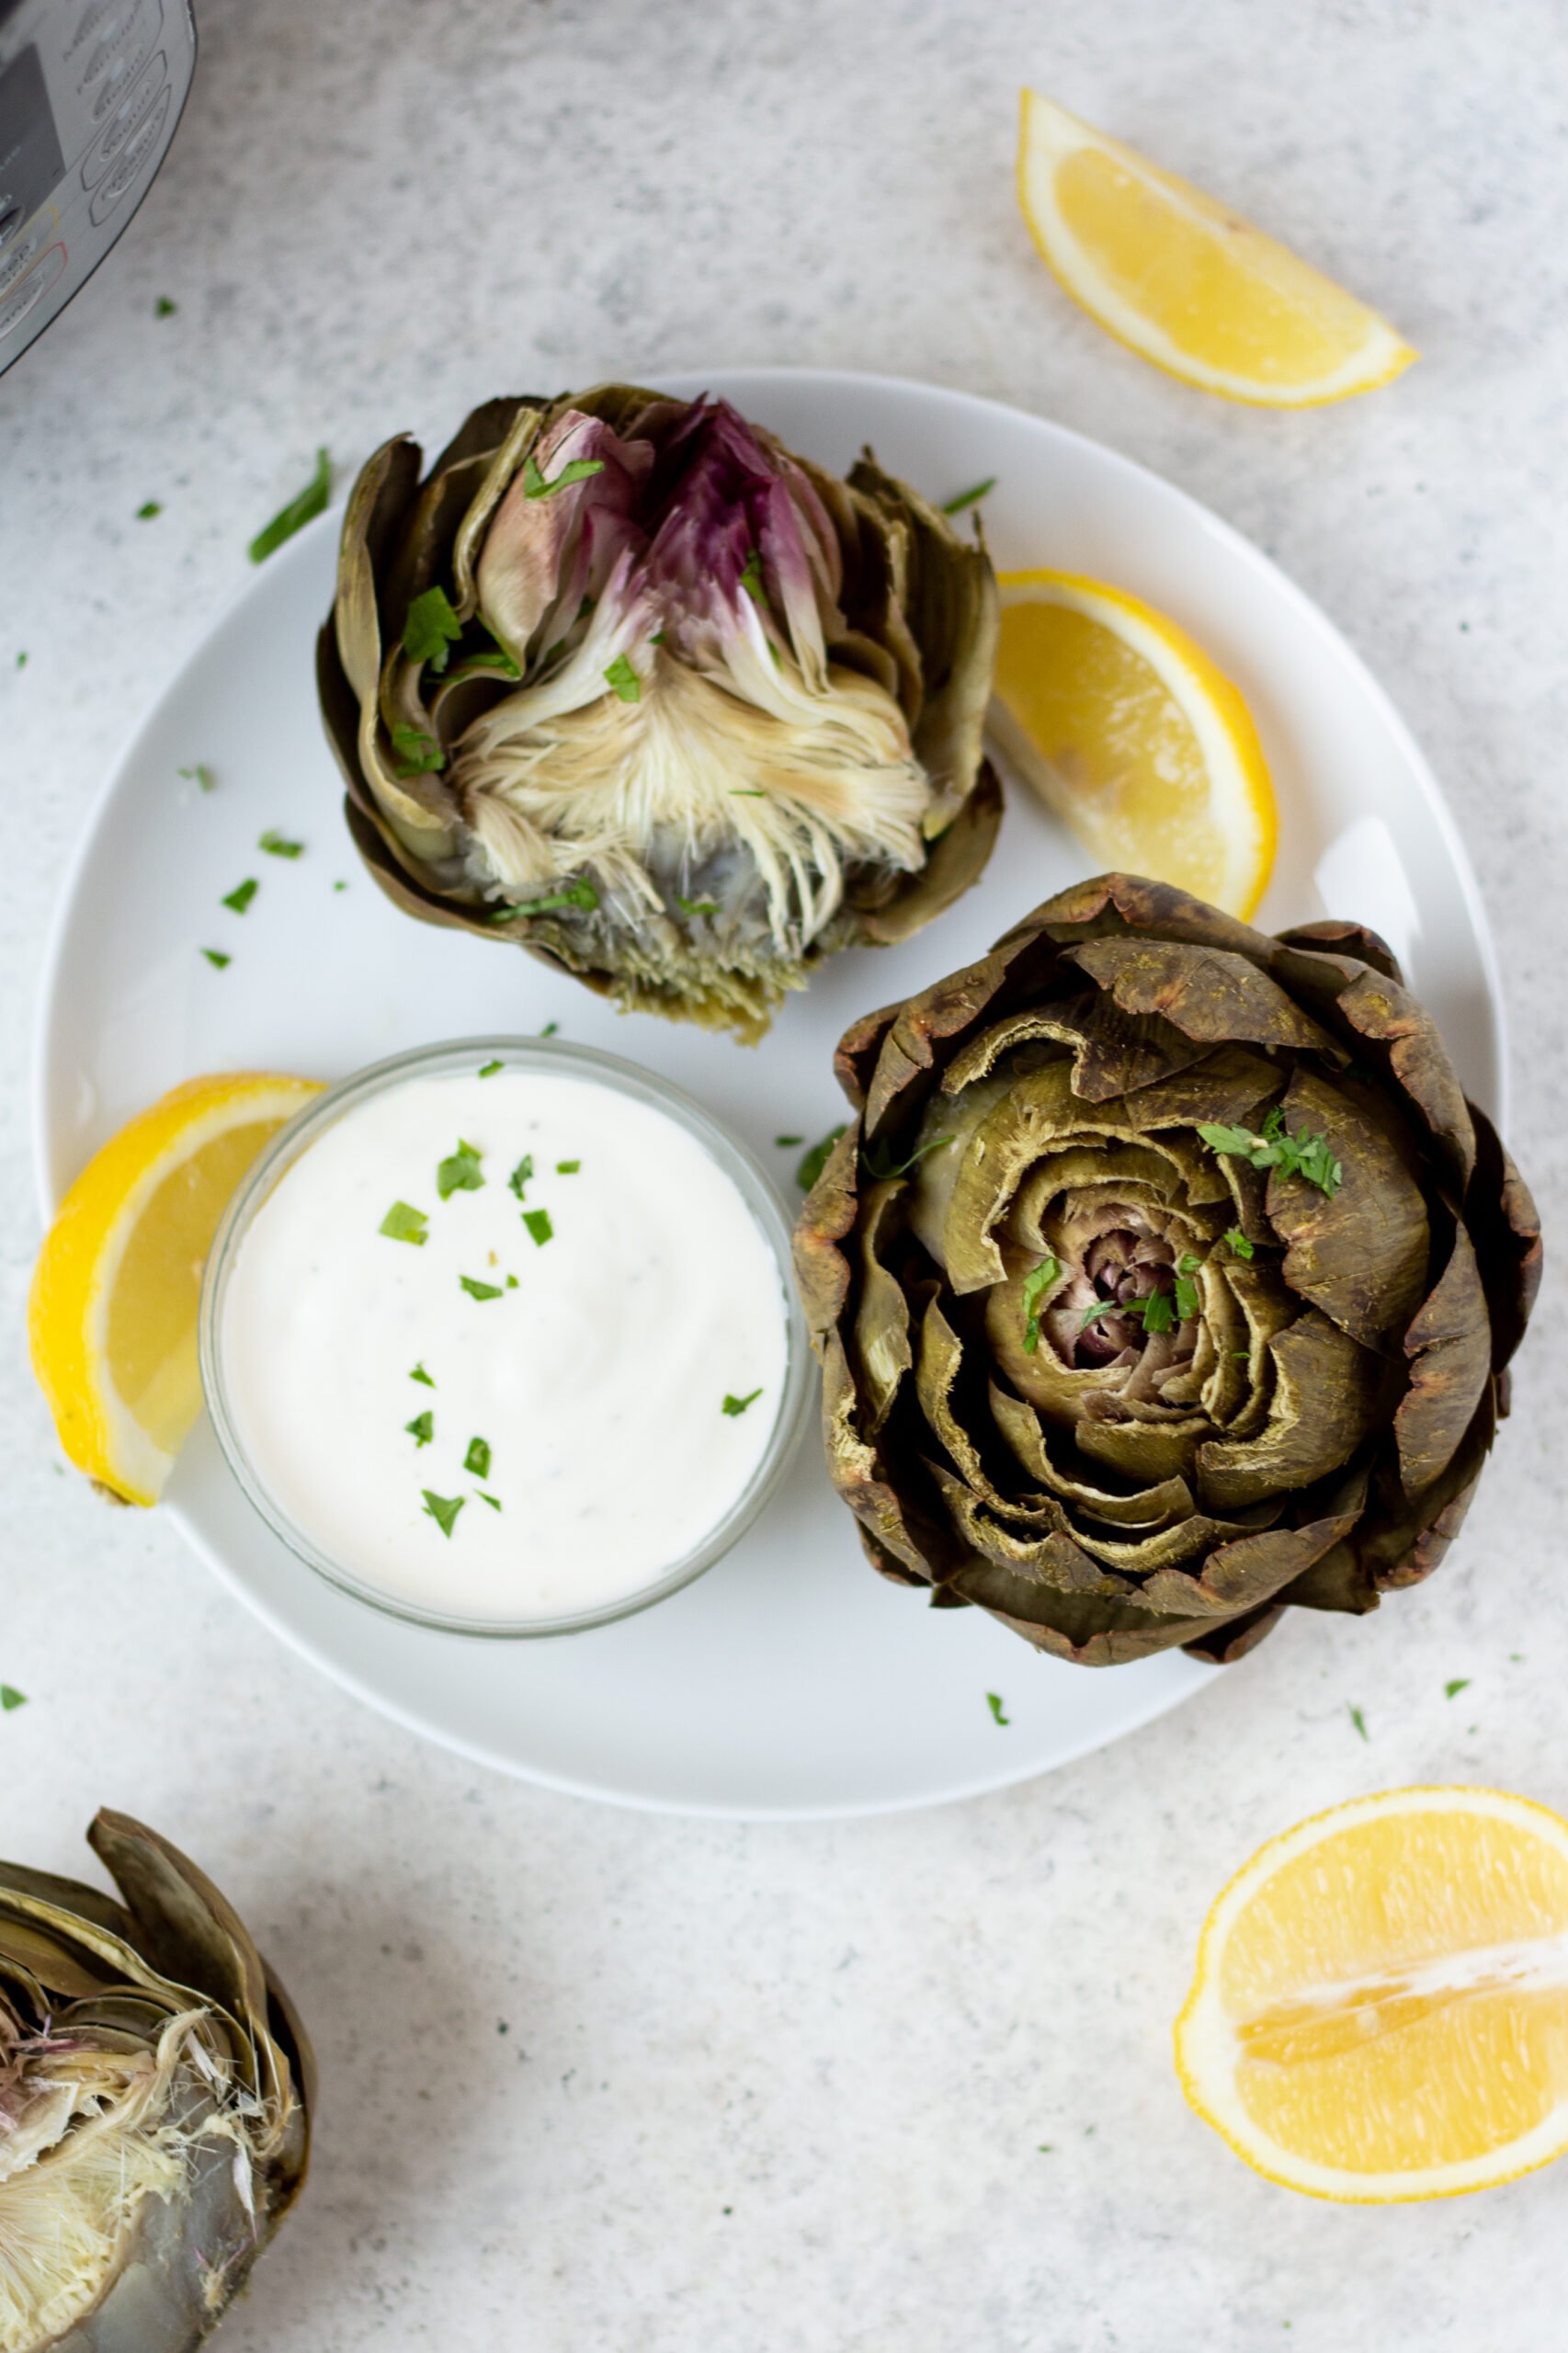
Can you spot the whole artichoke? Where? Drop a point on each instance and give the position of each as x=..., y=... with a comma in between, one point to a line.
x=625, y=682
x=1166, y=1277
x=155, y=2090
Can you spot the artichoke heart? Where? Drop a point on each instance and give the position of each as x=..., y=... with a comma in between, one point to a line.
x=154, y=2086
x=1166, y=1279
x=624, y=681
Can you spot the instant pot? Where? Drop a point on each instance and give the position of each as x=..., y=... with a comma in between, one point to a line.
x=91, y=93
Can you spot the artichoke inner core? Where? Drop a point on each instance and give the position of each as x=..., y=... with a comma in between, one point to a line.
x=1095, y=1318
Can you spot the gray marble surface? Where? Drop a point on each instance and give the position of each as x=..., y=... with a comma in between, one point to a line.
x=592, y=2080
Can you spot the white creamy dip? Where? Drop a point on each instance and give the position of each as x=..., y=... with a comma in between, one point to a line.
x=612, y=1400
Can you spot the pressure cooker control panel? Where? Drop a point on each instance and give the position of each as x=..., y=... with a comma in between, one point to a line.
x=90, y=95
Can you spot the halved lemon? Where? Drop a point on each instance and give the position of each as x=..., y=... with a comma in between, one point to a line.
x=1185, y=280
x=112, y=1321
x=1380, y=2007
x=1133, y=737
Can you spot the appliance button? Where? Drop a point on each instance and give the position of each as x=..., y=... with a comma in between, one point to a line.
x=121, y=56
x=14, y=308
x=142, y=143
x=19, y=257
x=127, y=118
x=10, y=220
x=91, y=19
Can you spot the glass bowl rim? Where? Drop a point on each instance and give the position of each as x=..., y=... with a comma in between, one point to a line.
x=736, y=1159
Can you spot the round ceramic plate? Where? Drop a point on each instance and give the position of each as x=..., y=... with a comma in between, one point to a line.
x=791, y=1681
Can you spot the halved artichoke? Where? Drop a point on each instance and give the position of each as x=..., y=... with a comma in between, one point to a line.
x=1165, y=1279
x=154, y=2095
x=625, y=682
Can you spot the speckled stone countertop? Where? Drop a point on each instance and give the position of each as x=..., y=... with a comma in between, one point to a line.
x=595, y=2080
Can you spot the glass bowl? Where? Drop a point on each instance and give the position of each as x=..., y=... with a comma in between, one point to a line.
x=515, y=1053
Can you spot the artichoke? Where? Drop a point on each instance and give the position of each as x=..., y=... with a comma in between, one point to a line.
x=625, y=682
x=154, y=2087
x=1165, y=1279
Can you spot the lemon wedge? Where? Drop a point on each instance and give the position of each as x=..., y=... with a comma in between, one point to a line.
x=1132, y=737
x=1186, y=282
x=112, y=1321
x=1381, y=2007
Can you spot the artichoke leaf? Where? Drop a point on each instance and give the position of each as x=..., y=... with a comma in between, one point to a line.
x=1360, y=1254
x=882, y=1350
x=1145, y=1508
x=1213, y=995
x=1325, y=1394
x=1448, y=1345
x=1502, y=1218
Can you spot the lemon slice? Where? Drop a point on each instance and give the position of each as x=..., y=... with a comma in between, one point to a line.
x=1185, y=280
x=1380, y=2007
x=1132, y=737
x=112, y=1321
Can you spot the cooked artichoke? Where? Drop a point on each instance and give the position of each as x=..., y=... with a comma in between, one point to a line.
x=624, y=682
x=155, y=2088
x=1166, y=1277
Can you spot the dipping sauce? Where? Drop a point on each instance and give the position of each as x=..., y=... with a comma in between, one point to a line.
x=504, y=1347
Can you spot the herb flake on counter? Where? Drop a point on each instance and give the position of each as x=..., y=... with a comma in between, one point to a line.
x=1360, y=1720
x=418, y=753
x=431, y=629
x=488, y=1070
x=1045, y=1274
x=240, y=897
x=11, y=1698
x=311, y=502
x=21, y=661
x=567, y=1167
x=623, y=680
x=419, y=1373
x=148, y=510
x=579, y=469
x=735, y=1407
x=460, y=1172
x=813, y=1162
x=277, y=845
x=201, y=776
x=477, y=1459
x=993, y=1701
x=1237, y=1242
x=481, y=1290
x=216, y=958
x=1460, y=1683
x=970, y=497
x=422, y=1428
x=404, y=1223
x=1302, y=1154
x=340, y=886
x=539, y=1225
x=164, y=308
x=443, y=1509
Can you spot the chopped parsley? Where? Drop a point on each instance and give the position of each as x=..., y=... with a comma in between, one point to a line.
x=443, y=1509
x=202, y=776
x=549, y=1030
x=405, y=1224
x=21, y=661
x=624, y=678
x=477, y=1459
x=11, y=1698
x=751, y=576
x=735, y=1405
x=1043, y=1276
x=311, y=502
x=431, y=629
x=1235, y=1241
x=747, y=792
x=697, y=907
x=480, y=1291
x=1157, y=1310
x=418, y=753
x=148, y=508
x=164, y=308
x=494, y=656
x=488, y=1070
x=878, y=1160
x=1303, y=1154
x=1360, y=1720
x=580, y=894
x=494, y=1501
x=419, y=1373
x=970, y=497
x=567, y=1167
x=216, y=958
x=240, y=897
x=1185, y=1292
x=276, y=845
x=460, y=1173
x=522, y=1175
x=787, y=1143
x=536, y=486
x=539, y=1225
x=1460, y=1683
x=422, y=1428
x=813, y=1162
x=993, y=1701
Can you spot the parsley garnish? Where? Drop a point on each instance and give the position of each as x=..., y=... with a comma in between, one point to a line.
x=419, y=1373
x=443, y=1509
x=480, y=1291
x=522, y=1175
x=431, y=629
x=536, y=486
x=216, y=957
x=621, y=675
x=277, y=846
x=549, y=1030
x=567, y=1167
x=311, y=502
x=164, y=308
x=1235, y=1241
x=494, y=1501
x=240, y=897
x=148, y=508
x=993, y=1701
x=418, y=753
x=877, y=1159
x=697, y=907
x=477, y=1459
x=969, y=497
x=747, y=792
x=539, y=1225
x=405, y=1224
x=422, y=1428
x=488, y=1070
x=1360, y=1720
x=580, y=894
x=734, y=1405
x=751, y=576
x=1045, y=1274
x=21, y=661
x=11, y=1698
x=786, y=1142
x=1303, y=1154
x=813, y=1162
x=1186, y=1290
x=1460, y=1683
x=1157, y=1312
x=495, y=658
x=460, y=1173
x=201, y=774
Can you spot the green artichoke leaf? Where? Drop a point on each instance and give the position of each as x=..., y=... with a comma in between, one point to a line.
x=882, y=1350
x=1448, y=1345
x=1213, y=995
x=1154, y=1507
x=1360, y=1255
x=1325, y=1396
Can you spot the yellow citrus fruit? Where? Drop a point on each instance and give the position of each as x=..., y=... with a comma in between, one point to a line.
x=1381, y=2007
x=1185, y=280
x=112, y=1321
x=1132, y=737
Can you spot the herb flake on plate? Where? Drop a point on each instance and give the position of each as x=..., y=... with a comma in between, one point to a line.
x=404, y=1223
x=442, y=1509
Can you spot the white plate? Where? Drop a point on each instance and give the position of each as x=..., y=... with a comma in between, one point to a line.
x=791, y=1681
